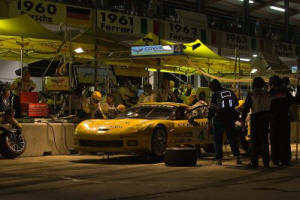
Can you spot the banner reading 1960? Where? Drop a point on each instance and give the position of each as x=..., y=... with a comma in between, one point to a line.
x=51, y=13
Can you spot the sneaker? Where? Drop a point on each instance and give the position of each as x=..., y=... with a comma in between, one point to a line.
x=219, y=162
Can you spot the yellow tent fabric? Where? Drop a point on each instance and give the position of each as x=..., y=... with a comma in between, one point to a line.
x=25, y=26
x=196, y=56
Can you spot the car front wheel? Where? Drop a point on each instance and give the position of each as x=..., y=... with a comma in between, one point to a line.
x=159, y=142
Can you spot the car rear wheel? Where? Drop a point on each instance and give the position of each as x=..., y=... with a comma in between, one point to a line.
x=159, y=142
x=12, y=144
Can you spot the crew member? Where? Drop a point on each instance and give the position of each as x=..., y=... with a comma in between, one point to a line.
x=165, y=93
x=176, y=96
x=91, y=105
x=148, y=95
x=199, y=109
x=4, y=99
x=108, y=109
x=21, y=84
x=222, y=116
x=280, y=122
x=129, y=97
x=259, y=101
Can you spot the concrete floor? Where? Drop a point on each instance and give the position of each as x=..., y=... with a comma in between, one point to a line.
x=84, y=177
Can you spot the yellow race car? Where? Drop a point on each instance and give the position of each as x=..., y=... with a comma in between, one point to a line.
x=144, y=128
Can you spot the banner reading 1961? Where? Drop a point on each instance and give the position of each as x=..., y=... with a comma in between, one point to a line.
x=118, y=23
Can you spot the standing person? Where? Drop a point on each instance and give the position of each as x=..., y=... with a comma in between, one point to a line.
x=108, y=109
x=199, y=109
x=176, y=97
x=259, y=101
x=21, y=84
x=165, y=93
x=280, y=122
x=128, y=96
x=148, y=95
x=222, y=116
x=91, y=105
x=4, y=99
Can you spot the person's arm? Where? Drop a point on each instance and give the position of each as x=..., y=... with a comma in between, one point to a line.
x=32, y=86
x=246, y=107
x=15, y=84
x=212, y=107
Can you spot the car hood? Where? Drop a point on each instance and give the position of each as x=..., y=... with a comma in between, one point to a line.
x=113, y=126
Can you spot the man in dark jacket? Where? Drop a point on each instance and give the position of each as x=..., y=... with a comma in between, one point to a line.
x=222, y=116
x=259, y=100
x=280, y=122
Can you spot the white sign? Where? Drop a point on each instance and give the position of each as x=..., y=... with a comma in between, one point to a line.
x=284, y=49
x=152, y=50
x=232, y=40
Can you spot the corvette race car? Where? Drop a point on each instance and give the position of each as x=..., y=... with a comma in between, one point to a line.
x=144, y=128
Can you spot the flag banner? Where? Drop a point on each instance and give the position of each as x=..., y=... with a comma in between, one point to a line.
x=78, y=16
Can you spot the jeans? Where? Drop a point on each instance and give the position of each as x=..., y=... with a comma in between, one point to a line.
x=219, y=126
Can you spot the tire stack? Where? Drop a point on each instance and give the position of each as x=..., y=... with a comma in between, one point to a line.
x=181, y=156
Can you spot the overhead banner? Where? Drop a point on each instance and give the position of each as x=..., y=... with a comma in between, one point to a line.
x=118, y=23
x=51, y=13
x=181, y=32
x=284, y=49
x=233, y=40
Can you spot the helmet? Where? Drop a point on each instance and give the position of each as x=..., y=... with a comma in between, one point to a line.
x=241, y=104
x=121, y=108
x=97, y=96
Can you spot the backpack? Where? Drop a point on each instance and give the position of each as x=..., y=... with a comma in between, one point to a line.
x=226, y=100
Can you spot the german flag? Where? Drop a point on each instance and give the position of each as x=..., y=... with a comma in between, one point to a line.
x=78, y=16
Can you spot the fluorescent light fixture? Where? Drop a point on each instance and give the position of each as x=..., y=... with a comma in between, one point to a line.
x=277, y=8
x=254, y=55
x=167, y=47
x=79, y=50
x=241, y=59
x=250, y=1
x=253, y=71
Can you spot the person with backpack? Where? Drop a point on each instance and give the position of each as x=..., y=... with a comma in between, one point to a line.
x=222, y=116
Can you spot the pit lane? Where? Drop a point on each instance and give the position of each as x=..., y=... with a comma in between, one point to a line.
x=133, y=177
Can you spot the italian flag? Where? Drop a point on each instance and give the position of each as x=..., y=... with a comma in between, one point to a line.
x=145, y=27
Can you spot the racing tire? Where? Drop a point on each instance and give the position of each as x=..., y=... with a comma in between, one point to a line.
x=210, y=148
x=12, y=144
x=158, y=142
x=183, y=156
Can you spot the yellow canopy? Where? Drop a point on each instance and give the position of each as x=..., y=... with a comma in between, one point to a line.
x=39, y=43
x=197, y=58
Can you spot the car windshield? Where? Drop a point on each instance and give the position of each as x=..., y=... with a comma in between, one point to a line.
x=148, y=112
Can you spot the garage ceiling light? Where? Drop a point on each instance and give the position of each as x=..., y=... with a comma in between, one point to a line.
x=253, y=71
x=254, y=55
x=250, y=1
x=277, y=8
x=79, y=50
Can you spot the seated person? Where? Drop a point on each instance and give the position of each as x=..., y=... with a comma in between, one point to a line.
x=8, y=117
x=4, y=99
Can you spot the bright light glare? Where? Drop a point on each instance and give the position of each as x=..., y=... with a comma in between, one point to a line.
x=250, y=1
x=277, y=8
x=253, y=71
x=167, y=47
x=254, y=55
x=79, y=50
x=241, y=59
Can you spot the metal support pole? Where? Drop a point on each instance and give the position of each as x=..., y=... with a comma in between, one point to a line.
x=200, y=6
x=297, y=123
x=246, y=16
x=70, y=72
x=286, y=19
